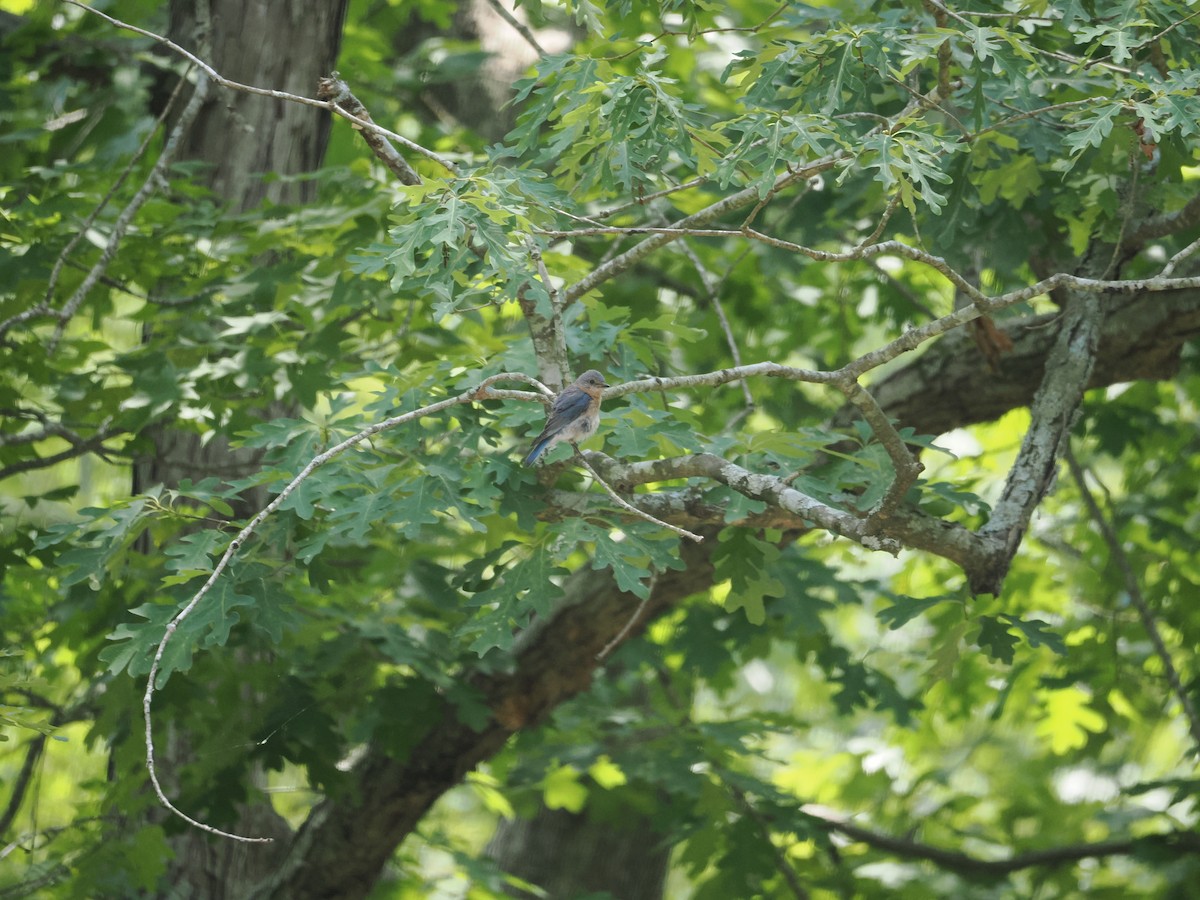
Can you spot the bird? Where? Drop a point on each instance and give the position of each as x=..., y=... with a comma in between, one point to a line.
x=574, y=414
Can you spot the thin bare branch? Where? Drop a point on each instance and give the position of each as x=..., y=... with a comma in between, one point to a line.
x=712, y=288
x=156, y=177
x=1028, y=114
x=97, y=271
x=783, y=865
x=633, y=620
x=520, y=27
x=86, y=225
x=483, y=391
x=662, y=237
x=907, y=467
x=1173, y=263
x=646, y=198
x=630, y=508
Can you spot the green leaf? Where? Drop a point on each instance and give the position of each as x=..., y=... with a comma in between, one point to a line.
x=744, y=561
x=1091, y=129
x=562, y=789
x=904, y=609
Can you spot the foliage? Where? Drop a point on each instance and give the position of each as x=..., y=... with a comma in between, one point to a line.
x=811, y=682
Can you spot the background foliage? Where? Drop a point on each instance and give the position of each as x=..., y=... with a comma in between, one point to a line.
x=796, y=715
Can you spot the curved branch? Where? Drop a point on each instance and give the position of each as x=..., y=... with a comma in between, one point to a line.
x=482, y=392
x=628, y=507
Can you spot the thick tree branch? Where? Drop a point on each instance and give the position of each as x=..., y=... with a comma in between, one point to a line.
x=545, y=323
x=1055, y=406
x=950, y=386
x=1167, y=223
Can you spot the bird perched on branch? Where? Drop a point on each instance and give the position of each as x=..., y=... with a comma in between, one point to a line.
x=574, y=414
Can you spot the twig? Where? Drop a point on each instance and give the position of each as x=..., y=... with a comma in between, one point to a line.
x=1134, y=590
x=521, y=28
x=886, y=217
x=79, y=446
x=97, y=271
x=1027, y=114
x=751, y=29
x=646, y=198
x=637, y=614
x=149, y=186
x=782, y=864
x=628, y=507
x=1162, y=34
x=1179, y=257
x=907, y=467
x=20, y=784
x=712, y=289
x=742, y=198
x=83, y=228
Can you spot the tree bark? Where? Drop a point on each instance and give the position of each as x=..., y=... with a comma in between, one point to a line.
x=951, y=385
x=242, y=138
x=570, y=854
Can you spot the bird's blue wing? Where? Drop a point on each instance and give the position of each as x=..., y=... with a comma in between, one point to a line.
x=569, y=406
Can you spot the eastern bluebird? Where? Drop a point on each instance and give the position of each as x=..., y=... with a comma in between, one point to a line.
x=574, y=414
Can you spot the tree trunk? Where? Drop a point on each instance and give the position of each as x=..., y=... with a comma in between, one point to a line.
x=570, y=855
x=242, y=138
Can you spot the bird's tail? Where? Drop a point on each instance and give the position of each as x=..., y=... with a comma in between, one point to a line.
x=535, y=451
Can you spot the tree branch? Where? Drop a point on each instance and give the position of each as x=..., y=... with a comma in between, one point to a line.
x=948, y=386
x=625, y=505
x=964, y=864
x=1055, y=406
x=1167, y=223
x=333, y=89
